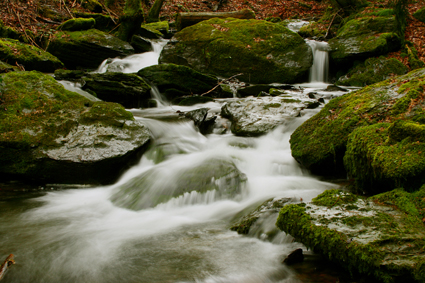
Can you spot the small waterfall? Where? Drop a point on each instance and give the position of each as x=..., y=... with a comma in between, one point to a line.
x=319, y=70
x=135, y=62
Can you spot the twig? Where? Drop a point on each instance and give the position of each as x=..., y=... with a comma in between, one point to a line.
x=109, y=13
x=66, y=8
x=329, y=28
x=8, y=262
x=23, y=28
x=221, y=83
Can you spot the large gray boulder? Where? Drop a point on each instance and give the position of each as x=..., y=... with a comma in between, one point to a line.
x=264, y=52
x=362, y=38
x=51, y=135
x=87, y=49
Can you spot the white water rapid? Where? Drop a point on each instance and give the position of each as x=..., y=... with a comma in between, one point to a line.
x=79, y=235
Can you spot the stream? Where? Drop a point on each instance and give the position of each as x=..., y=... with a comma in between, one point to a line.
x=78, y=235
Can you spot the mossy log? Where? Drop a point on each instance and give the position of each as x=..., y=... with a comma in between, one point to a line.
x=188, y=19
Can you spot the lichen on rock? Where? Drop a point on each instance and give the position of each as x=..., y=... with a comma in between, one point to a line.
x=372, y=237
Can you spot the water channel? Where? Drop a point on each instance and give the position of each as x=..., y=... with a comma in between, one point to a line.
x=79, y=235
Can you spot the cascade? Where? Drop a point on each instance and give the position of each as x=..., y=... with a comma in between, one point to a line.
x=80, y=235
x=319, y=70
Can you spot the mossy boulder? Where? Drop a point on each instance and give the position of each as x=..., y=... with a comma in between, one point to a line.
x=8, y=32
x=87, y=49
x=175, y=81
x=255, y=116
x=313, y=30
x=155, y=30
x=420, y=14
x=77, y=24
x=362, y=38
x=384, y=156
x=378, y=237
x=371, y=71
x=32, y=58
x=320, y=143
x=129, y=90
x=102, y=22
x=140, y=44
x=264, y=52
x=218, y=177
x=51, y=135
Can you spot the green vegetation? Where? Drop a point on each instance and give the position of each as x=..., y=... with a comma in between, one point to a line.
x=77, y=24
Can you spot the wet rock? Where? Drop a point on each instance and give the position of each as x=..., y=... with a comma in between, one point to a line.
x=162, y=27
x=129, y=90
x=213, y=178
x=192, y=100
x=203, y=120
x=362, y=38
x=334, y=88
x=69, y=75
x=77, y=24
x=265, y=210
x=258, y=116
x=140, y=44
x=296, y=256
x=175, y=81
x=373, y=70
x=379, y=236
x=51, y=135
x=253, y=90
x=352, y=128
x=226, y=47
x=30, y=57
x=91, y=47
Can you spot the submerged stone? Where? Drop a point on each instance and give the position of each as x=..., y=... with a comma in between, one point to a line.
x=87, y=49
x=32, y=58
x=210, y=179
x=368, y=236
x=51, y=135
x=226, y=47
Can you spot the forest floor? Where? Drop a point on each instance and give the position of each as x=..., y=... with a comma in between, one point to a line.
x=25, y=15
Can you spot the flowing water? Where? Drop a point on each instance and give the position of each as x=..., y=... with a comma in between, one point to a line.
x=79, y=235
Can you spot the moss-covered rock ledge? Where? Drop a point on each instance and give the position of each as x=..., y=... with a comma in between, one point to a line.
x=361, y=121
x=382, y=236
x=51, y=135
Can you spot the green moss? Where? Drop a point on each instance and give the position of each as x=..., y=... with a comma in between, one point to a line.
x=385, y=156
x=77, y=24
x=32, y=58
x=366, y=25
x=383, y=243
x=110, y=114
x=373, y=70
x=334, y=197
x=313, y=30
x=320, y=143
